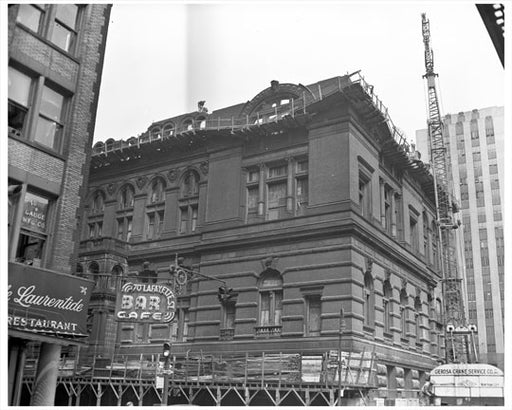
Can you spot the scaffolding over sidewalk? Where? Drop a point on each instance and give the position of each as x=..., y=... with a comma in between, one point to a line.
x=231, y=379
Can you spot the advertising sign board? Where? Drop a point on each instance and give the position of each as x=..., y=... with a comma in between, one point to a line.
x=145, y=303
x=467, y=380
x=44, y=301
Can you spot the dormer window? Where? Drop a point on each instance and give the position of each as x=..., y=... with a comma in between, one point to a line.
x=168, y=130
x=156, y=133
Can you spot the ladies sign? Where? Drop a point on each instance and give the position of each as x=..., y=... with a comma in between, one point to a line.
x=145, y=303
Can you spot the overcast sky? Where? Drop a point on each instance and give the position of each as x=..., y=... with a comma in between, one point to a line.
x=162, y=58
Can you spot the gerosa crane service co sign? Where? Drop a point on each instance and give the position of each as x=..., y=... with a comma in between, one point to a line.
x=145, y=303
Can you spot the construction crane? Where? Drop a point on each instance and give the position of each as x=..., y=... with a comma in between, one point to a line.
x=459, y=337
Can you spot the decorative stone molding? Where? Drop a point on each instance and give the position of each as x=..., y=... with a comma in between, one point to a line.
x=141, y=181
x=204, y=167
x=111, y=188
x=404, y=283
x=172, y=174
x=368, y=264
x=269, y=263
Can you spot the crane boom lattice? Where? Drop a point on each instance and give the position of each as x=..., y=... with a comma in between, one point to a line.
x=457, y=349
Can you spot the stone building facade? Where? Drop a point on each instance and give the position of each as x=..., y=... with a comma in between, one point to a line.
x=306, y=200
x=55, y=57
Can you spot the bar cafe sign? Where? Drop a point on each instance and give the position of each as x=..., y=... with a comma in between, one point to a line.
x=44, y=301
x=145, y=303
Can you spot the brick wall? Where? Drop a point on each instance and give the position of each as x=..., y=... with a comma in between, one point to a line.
x=79, y=137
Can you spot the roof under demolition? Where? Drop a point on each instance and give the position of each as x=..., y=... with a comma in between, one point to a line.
x=278, y=107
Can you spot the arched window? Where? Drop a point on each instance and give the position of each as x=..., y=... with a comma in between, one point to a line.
x=388, y=295
x=115, y=277
x=97, y=203
x=271, y=300
x=93, y=271
x=126, y=197
x=369, y=300
x=79, y=270
x=156, y=133
x=403, y=311
x=168, y=130
x=187, y=125
x=190, y=184
x=156, y=193
x=109, y=144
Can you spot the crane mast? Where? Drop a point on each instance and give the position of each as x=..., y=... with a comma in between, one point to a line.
x=457, y=334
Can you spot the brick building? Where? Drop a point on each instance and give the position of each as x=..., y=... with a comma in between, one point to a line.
x=305, y=200
x=55, y=64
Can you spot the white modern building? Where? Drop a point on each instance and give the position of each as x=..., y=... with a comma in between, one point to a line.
x=475, y=154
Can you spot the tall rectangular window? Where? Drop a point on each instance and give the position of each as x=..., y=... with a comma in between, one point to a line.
x=364, y=195
x=124, y=228
x=302, y=192
x=414, y=235
x=65, y=26
x=151, y=226
x=33, y=233
x=276, y=202
x=388, y=193
x=313, y=317
x=183, y=219
x=49, y=124
x=188, y=218
x=271, y=308
x=30, y=15
x=19, y=92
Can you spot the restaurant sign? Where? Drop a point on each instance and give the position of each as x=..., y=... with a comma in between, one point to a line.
x=145, y=303
x=44, y=301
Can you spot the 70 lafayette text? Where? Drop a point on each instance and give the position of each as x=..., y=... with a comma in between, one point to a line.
x=150, y=308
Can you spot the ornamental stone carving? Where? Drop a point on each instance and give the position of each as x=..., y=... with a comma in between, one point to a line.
x=270, y=262
x=141, y=181
x=204, y=167
x=111, y=188
x=172, y=174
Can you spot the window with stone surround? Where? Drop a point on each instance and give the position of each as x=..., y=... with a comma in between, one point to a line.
x=414, y=231
x=313, y=315
x=369, y=300
x=188, y=203
x=365, y=197
x=155, y=207
x=270, y=303
x=277, y=189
